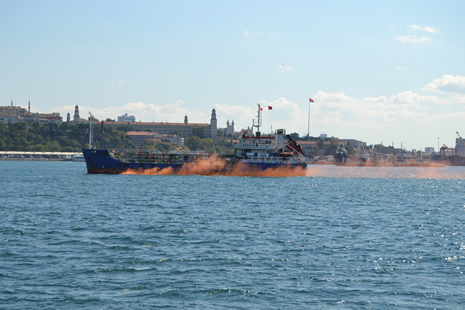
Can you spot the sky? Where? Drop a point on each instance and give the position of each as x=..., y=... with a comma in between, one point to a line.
x=389, y=72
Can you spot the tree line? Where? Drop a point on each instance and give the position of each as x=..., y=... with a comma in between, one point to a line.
x=68, y=137
x=53, y=137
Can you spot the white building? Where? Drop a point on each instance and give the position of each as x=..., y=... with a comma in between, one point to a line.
x=429, y=150
x=459, y=147
x=126, y=118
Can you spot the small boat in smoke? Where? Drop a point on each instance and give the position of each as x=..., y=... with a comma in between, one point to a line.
x=341, y=156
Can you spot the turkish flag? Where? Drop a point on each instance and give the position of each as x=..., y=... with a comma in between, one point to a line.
x=270, y=108
x=311, y=100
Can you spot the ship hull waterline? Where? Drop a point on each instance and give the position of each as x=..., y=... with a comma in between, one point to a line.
x=99, y=162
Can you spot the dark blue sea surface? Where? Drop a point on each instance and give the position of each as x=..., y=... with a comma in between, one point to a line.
x=340, y=239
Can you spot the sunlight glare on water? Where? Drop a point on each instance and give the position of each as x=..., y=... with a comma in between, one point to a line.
x=338, y=238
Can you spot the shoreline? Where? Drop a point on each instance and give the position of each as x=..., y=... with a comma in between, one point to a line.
x=37, y=159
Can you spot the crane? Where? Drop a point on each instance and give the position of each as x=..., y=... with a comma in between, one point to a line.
x=461, y=140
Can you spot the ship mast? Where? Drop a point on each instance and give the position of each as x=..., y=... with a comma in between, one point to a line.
x=90, y=130
x=259, y=120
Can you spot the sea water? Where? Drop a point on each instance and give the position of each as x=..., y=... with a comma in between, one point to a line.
x=339, y=238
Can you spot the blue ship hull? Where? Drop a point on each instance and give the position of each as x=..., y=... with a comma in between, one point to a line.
x=100, y=162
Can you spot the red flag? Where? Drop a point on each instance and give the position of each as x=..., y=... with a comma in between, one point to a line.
x=311, y=100
x=270, y=108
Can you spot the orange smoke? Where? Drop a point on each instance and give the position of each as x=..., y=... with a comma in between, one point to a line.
x=215, y=166
x=431, y=172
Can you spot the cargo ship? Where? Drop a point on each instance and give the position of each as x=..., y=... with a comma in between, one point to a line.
x=277, y=154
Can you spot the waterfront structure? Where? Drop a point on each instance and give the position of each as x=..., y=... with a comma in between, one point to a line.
x=4, y=155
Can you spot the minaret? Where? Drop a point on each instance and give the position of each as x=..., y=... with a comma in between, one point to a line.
x=11, y=102
x=185, y=120
x=213, y=126
x=68, y=118
x=76, y=114
x=29, y=107
x=232, y=127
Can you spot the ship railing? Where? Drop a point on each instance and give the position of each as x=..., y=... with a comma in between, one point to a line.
x=147, y=156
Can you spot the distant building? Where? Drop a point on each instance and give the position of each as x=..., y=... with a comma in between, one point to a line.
x=429, y=150
x=50, y=118
x=244, y=132
x=308, y=146
x=353, y=142
x=126, y=118
x=229, y=130
x=213, y=127
x=12, y=114
x=180, y=129
x=460, y=148
x=175, y=139
x=77, y=118
x=142, y=136
x=76, y=114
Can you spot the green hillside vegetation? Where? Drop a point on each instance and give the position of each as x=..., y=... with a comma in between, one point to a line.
x=71, y=138
x=59, y=138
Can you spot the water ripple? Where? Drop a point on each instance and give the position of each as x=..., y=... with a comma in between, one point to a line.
x=72, y=240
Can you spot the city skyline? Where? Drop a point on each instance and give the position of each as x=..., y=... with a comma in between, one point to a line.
x=378, y=72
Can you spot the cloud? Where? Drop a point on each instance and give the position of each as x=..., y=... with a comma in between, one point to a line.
x=248, y=34
x=426, y=28
x=448, y=83
x=146, y=112
x=414, y=39
x=410, y=117
x=374, y=112
x=120, y=82
x=285, y=68
x=407, y=116
x=283, y=113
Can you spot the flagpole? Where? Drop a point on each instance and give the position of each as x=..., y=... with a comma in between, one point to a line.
x=308, y=134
